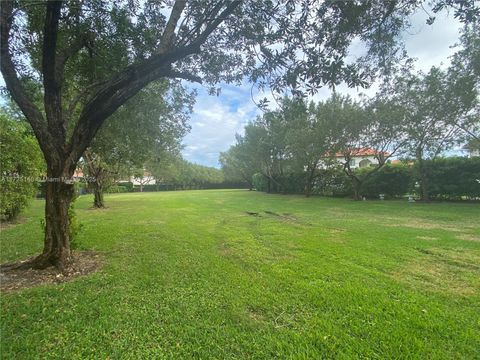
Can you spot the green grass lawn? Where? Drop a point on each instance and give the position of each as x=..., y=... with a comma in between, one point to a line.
x=192, y=275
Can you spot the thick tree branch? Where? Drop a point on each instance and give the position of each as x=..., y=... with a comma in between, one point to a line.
x=52, y=80
x=50, y=33
x=168, y=36
x=215, y=23
x=81, y=95
x=183, y=75
x=105, y=102
x=127, y=83
x=206, y=16
x=77, y=44
x=14, y=85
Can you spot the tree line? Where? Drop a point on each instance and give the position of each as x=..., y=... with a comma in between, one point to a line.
x=416, y=116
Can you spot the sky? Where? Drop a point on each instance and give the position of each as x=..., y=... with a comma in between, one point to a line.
x=216, y=119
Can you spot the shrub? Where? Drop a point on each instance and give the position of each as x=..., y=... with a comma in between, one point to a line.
x=260, y=182
x=454, y=178
x=21, y=164
x=128, y=185
x=114, y=189
x=391, y=180
x=333, y=182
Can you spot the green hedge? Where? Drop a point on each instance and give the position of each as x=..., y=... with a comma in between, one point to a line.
x=333, y=182
x=392, y=180
x=114, y=189
x=454, y=178
x=451, y=178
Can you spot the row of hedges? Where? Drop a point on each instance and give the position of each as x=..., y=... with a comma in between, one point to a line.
x=174, y=187
x=124, y=187
x=452, y=178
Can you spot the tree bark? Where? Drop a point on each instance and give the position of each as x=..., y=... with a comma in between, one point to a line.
x=424, y=193
x=309, y=180
x=98, y=195
x=308, y=188
x=56, y=250
x=96, y=171
x=422, y=176
x=356, y=189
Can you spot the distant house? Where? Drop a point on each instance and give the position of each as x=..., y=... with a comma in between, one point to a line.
x=359, y=158
x=78, y=174
x=142, y=180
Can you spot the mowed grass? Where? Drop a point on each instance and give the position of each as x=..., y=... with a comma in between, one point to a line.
x=192, y=275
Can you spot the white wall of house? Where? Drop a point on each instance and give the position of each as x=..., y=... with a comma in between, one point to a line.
x=147, y=180
x=362, y=161
x=356, y=162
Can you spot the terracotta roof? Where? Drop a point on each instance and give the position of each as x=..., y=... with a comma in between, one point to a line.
x=362, y=152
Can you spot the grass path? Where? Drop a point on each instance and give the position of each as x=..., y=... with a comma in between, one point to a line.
x=192, y=275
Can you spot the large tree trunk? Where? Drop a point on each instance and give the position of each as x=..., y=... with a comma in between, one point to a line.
x=356, y=189
x=422, y=176
x=56, y=250
x=308, y=188
x=98, y=195
x=424, y=191
x=98, y=173
x=309, y=181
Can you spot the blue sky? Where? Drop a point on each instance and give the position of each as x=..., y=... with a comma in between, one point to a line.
x=216, y=119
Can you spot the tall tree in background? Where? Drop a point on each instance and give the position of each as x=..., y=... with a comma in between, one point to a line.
x=463, y=84
x=309, y=139
x=236, y=163
x=106, y=52
x=148, y=127
x=266, y=147
x=431, y=119
x=373, y=128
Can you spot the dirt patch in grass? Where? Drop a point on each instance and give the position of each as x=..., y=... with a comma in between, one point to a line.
x=256, y=314
x=451, y=272
x=12, y=278
x=469, y=237
x=337, y=230
x=287, y=218
x=430, y=238
x=425, y=224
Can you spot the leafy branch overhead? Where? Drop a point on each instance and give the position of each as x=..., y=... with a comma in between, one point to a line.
x=113, y=49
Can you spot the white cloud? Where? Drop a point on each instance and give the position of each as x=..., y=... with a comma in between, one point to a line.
x=215, y=121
